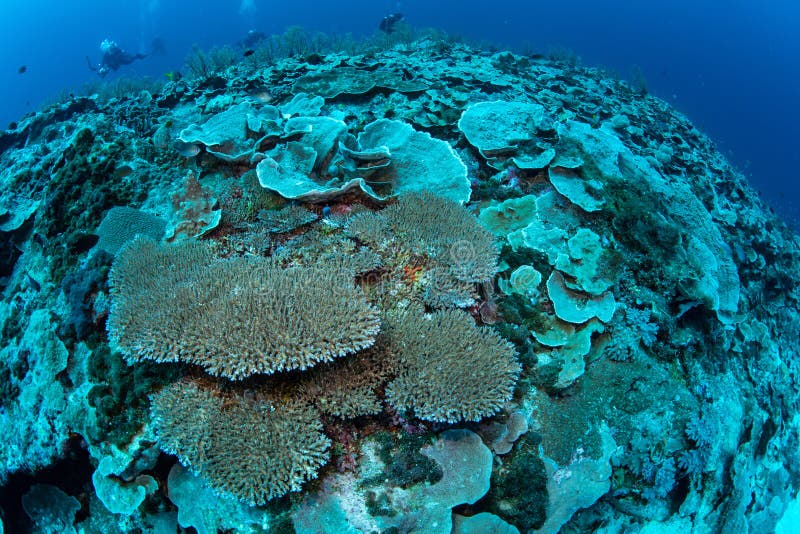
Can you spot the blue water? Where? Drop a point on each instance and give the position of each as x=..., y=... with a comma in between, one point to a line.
x=731, y=66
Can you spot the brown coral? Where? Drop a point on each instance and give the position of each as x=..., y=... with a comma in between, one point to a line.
x=254, y=446
x=444, y=230
x=235, y=317
x=455, y=249
x=195, y=211
x=348, y=386
x=450, y=369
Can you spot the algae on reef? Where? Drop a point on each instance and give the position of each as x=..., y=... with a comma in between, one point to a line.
x=401, y=290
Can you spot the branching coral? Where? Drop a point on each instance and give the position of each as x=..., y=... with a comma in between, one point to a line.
x=234, y=317
x=255, y=447
x=370, y=228
x=456, y=249
x=348, y=387
x=285, y=219
x=442, y=229
x=450, y=369
x=444, y=291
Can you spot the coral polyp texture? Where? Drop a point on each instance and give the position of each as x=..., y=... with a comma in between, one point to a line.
x=428, y=224
x=348, y=387
x=454, y=251
x=252, y=447
x=234, y=317
x=450, y=370
x=271, y=295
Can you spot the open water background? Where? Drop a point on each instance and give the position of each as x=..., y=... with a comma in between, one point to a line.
x=732, y=66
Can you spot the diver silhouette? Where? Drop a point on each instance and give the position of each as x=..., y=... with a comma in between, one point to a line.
x=113, y=58
x=252, y=39
x=389, y=21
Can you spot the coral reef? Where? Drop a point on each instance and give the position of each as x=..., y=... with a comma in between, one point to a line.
x=235, y=317
x=449, y=369
x=348, y=387
x=251, y=447
x=402, y=289
x=452, y=250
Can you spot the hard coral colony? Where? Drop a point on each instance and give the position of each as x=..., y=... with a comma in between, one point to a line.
x=427, y=289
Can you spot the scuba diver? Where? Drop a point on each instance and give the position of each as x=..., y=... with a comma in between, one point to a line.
x=252, y=39
x=113, y=58
x=389, y=21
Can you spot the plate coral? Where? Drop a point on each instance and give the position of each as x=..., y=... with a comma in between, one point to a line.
x=427, y=288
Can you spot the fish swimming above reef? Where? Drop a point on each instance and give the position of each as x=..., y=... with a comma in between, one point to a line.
x=22, y=70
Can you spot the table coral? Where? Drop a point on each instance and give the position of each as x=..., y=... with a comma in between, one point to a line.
x=334, y=193
x=234, y=317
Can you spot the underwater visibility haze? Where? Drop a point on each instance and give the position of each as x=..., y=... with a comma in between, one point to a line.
x=384, y=267
x=731, y=67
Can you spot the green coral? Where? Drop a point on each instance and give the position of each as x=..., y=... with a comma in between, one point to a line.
x=518, y=309
x=402, y=463
x=519, y=487
x=79, y=179
x=120, y=393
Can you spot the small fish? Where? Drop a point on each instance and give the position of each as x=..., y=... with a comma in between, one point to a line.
x=122, y=171
x=263, y=96
x=249, y=52
x=23, y=69
x=33, y=282
x=187, y=150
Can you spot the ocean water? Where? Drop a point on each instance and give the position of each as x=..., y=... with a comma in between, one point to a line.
x=731, y=67
x=425, y=286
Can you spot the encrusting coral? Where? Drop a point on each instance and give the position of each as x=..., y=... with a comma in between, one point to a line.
x=642, y=282
x=234, y=317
